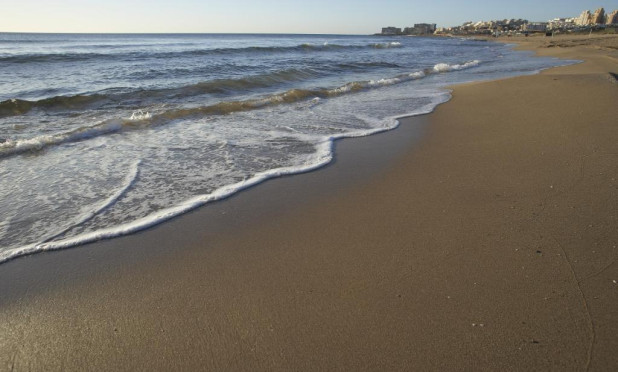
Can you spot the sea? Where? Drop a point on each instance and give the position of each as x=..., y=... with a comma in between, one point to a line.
x=103, y=135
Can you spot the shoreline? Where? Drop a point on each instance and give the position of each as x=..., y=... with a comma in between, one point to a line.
x=48, y=244
x=426, y=250
x=240, y=210
x=200, y=201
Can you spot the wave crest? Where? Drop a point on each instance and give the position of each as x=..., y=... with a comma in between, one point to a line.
x=445, y=67
x=13, y=107
x=141, y=118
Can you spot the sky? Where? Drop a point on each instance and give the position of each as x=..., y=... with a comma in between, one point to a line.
x=271, y=16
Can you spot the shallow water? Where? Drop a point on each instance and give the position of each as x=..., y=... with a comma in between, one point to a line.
x=101, y=135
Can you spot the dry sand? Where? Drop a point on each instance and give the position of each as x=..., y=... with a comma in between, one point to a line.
x=491, y=244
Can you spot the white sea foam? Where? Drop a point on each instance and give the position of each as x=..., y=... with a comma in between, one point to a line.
x=140, y=115
x=323, y=155
x=344, y=88
x=445, y=67
x=390, y=81
x=11, y=147
x=87, y=215
x=392, y=44
x=438, y=68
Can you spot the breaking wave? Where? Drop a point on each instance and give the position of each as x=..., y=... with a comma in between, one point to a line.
x=218, y=87
x=139, y=118
x=445, y=67
x=392, y=44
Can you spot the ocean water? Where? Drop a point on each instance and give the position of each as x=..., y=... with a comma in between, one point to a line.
x=103, y=135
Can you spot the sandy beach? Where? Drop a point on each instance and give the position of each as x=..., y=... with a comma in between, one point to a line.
x=482, y=236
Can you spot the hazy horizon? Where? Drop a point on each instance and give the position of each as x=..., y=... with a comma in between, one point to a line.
x=270, y=16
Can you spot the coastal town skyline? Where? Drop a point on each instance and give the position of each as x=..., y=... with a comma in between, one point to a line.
x=587, y=20
x=317, y=17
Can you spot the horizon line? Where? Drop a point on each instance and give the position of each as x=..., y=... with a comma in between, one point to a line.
x=179, y=33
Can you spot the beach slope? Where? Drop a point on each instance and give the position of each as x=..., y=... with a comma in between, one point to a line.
x=490, y=244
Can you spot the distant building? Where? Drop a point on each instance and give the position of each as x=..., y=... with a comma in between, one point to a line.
x=612, y=18
x=584, y=19
x=391, y=31
x=418, y=29
x=561, y=24
x=589, y=19
x=442, y=30
x=423, y=29
x=513, y=27
x=598, y=18
x=496, y=27
x=535, y=27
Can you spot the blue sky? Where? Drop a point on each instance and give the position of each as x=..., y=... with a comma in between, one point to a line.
x=271, y=16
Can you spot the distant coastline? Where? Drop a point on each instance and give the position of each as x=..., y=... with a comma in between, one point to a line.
x=597, y=21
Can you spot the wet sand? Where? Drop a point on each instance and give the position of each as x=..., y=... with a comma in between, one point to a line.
x=482, y=236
